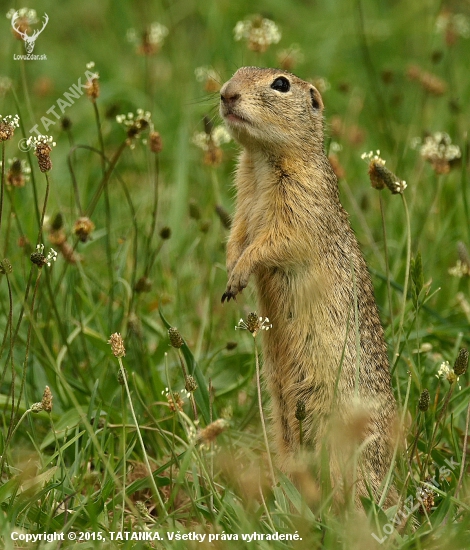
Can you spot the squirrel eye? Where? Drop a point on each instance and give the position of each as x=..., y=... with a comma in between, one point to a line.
x=281, y=84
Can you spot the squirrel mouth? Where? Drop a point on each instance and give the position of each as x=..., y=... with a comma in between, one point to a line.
x=235, y=119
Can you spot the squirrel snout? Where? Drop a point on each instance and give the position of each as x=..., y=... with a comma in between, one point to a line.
x=229, y=95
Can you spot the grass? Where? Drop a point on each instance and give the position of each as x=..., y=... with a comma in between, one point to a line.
x=155, y=259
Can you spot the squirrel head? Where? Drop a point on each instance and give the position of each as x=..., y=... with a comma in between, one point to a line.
x=272, y=110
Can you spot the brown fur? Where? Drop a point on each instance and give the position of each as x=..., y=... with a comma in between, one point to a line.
x=291, y=232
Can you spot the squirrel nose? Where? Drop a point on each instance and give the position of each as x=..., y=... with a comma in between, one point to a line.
x=228, y=94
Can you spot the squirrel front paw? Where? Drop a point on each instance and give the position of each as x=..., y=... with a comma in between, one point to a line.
x=230, y=266
x=233, y=255
x=236, y=283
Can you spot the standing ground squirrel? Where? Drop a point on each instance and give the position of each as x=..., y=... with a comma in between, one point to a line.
x=292, y=233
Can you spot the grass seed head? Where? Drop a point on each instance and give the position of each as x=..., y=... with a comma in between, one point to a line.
x=155, y=142
x=210, y=433
x=83, y=228
x=300, y=413
x=380, y=176
x=42, y=146
x=461, y=363
x=175, y=337
x=5, y=267
x=66, y=123
x=144, y=284
x=7, y=126
x=176, y=402
x=47, y=400
x=194, y=210
x=425, y=495
x=40, y=260
x=37, y=407
x=428, y=81
x=424, y=400
x=224, y=217
x=190, y=385
x=92, y=89
x=18, y=173
x=165, y=233
x=117, y=345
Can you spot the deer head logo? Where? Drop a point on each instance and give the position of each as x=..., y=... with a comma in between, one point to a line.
x=28, y=40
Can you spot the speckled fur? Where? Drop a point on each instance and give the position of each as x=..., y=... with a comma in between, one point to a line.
x=291, y=232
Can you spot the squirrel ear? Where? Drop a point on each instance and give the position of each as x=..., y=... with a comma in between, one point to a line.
x=317, y=102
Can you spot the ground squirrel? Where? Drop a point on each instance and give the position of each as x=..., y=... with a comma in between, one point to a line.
x=291, y=232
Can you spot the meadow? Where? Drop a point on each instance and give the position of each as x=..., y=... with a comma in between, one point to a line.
x=118, y=359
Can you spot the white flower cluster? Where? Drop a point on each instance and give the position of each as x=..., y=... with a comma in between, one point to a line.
x=439, y=146
x=131, y=35
x=460, y=269
x=95, y=76
x=24, y=166
x=135, y=124
x=25, y=13
x=259, y=32
x=130, y=119
x=447, y=372
x=11, y=120
x=400, y=186
x=206, y=73
x=456, y=22
x=264, y=324
x=220, y=135
x=335, y=147
x=425, y=347
x=217, y=137
x=35, y=141
x=371, y=157
x=157, y=33
x=444, y=370
x=191, y=432
x=183, y=393
x=321, y=83
x=292, y=55
x=51, y=257
x=424, y=493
